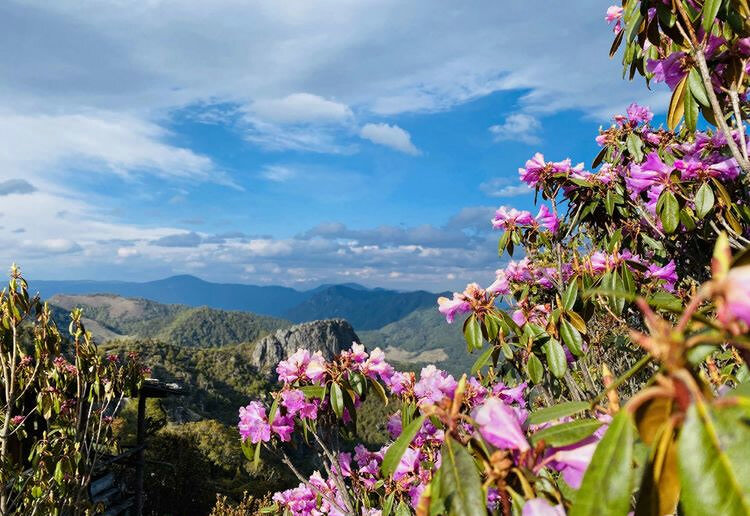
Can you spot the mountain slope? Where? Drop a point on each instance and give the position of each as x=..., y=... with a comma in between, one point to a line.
x=364, y=309
x=419, y=338
x=109, y=317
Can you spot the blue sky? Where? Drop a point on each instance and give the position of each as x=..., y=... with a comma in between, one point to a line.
x=288, y=142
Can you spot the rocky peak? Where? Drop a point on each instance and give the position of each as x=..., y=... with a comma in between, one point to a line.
x=330, y=336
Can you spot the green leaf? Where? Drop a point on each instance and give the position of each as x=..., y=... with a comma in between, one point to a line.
x=566, y=433
x=502, y=243
x=358, y=383
x=473, y=333
x=314, y=391
x=396, y=450
x=388, y=504
x=556, y=360
x=606, y=485
x=58, y=473
x=710, y=10
x=696, y=87
x=669, y=212
x=571, y=295
x=492, y=323
x=482, y=360
x=704, y=200
x=609, y=203
x=402, y=509
x=460, y=484
x=337, y=399
x=571, y=337
x=535, y=369
x=379, y=390
x=628, y=282
x=635, y=147
x=714, y=470
x=691, y=111
x=558, y=411
x=676, y=105
x=665, y=301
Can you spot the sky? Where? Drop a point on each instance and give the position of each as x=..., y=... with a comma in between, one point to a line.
x=288, y=142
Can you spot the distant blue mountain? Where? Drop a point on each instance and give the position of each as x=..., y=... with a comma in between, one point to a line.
x=364, y=308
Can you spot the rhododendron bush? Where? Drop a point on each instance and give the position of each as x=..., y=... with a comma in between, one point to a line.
x=611, y=349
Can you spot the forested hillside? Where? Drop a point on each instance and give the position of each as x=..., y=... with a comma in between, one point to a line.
x=113, y=317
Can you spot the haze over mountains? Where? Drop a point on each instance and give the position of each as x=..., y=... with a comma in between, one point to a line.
x=364, y=308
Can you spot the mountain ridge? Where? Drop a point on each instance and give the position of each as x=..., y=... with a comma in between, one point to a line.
x=365, y=308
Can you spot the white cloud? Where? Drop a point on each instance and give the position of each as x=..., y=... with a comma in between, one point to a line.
x=109, y=142
x=300, y=108
x=277, y=173
x=391, y=136
x=499, y=187
x=518, y=127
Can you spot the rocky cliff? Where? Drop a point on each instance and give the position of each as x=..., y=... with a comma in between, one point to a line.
x=330, y=336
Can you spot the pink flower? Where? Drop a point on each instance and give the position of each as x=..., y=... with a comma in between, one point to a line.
x=253, y=423
x=294, y=367
x=398, y=382
x=639, y=114
x=376, y=365
x=647, y=174
x=293, y=401
x=572, y=462
x=394, y=425
x=407, y=464
x=434, y=385
x=500, y=285
x=666, y=273
x=519, y=271
x=499, y=425
x=547, y=219
x=671, y=69
x=531, y=173
x=614, y=15
x=736, y=291
x=508, y=218
x=450, y=307
x=541, y=507
x=283, y=426
x=316, y=367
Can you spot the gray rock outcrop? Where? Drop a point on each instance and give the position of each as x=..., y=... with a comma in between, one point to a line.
x=329, y=336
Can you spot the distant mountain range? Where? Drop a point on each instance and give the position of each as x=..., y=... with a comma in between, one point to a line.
x=364, y=308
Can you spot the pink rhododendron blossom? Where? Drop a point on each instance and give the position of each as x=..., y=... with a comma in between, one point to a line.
x=393, y=426
x=294, y=367
x=398, y=382
x=500, y=285
x=407, y=464
x=614, y=16
x=434, y=385
x=283, y=426
x=531, y=172
x=450, y=307
x=499, y=425
x=541, y=507
x=572, y=462
x=666, y=273
x=639, y=114
x=508, y=218
x=253, y=424
x=671, y=69
x=736, y=292
x=316, y=367
x=547, y=219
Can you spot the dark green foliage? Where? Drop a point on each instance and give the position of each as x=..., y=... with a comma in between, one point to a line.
x=111, y=317
x=218, y=381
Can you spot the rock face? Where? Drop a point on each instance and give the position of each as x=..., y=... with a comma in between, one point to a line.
x=330, y=336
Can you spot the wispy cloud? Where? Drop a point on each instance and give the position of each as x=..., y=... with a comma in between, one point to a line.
x=500, y=187
x=391, y=136
x=519, y=127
